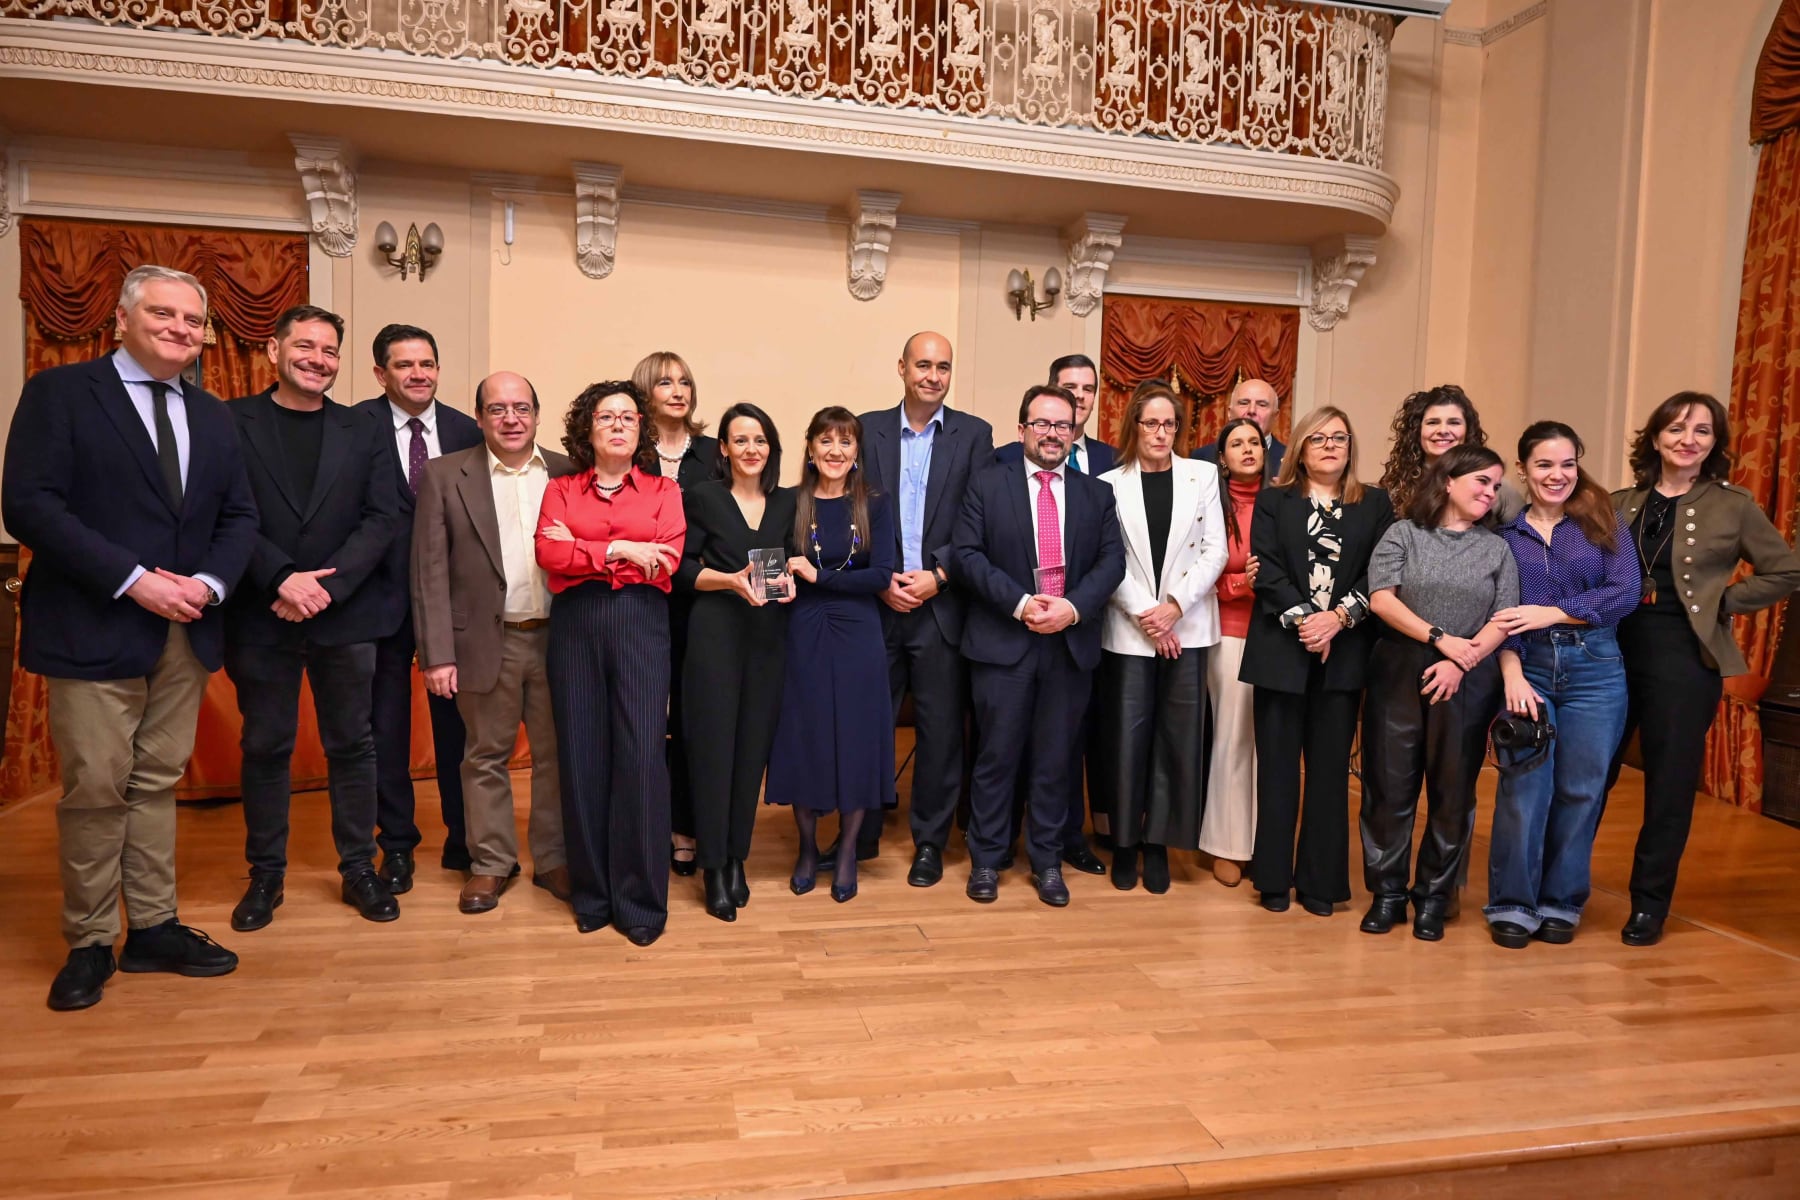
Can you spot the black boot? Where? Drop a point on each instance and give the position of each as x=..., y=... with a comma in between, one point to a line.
x=1384, y=913
x=736, y=883
x=1156, y=869
x=718, y=896
x=1124, y=868
x=1428, y=919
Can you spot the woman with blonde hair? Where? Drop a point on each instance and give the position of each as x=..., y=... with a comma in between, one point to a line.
x=1307, y=656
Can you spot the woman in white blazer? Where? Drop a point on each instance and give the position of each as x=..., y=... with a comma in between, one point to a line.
x=1150, y=704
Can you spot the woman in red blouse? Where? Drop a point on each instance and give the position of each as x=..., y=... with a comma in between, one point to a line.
x=609, y=539
x=1228, y=830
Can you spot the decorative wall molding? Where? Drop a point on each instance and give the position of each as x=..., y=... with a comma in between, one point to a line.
x=38, y=162
x=6, y=213
x=1092, y=241
x=873, y=218
x=267, y=69
x=330, y=188
x=1486, y=37
x=1338, y=267
x=596, y=218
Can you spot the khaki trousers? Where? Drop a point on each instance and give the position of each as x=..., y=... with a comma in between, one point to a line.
x=492, y=719
x=123, y=744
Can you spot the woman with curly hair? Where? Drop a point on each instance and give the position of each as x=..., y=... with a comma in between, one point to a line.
x=609, y=538
x=1426, y=424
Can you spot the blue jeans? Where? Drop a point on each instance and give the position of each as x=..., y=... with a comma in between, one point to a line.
x=1546, y=811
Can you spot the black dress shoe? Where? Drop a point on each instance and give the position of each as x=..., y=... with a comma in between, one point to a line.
x=1556, y=931
x=1156, y=869
x=718, y=896
x=927, y=866
x=683, y=867
x=1315, y=906
x=1125, y=868
x=984, y=885
x=365, y=892
x=1428, y=920
x=1273, y=901
x=397, y=871
x=590, y=924
x=1384, y=913
x=1084, y=860
x=735, y=883
x=1050, y=887
x=642, y=935
x=1510, y=935
x=1644, y=929
x=260, y=901
x=177, y=949
x=83, y=976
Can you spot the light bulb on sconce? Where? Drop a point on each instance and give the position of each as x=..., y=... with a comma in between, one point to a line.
x=420, y=252
x=1021, y=291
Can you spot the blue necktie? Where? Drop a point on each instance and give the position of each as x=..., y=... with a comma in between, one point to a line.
x=1075, y=458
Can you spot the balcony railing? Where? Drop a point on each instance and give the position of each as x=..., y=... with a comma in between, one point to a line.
x=1261, y=74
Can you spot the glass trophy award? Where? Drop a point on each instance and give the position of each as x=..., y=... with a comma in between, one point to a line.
x=1047, y=581
x=770, y=566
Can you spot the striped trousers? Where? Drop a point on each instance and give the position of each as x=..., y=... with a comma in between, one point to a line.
x=609, y=690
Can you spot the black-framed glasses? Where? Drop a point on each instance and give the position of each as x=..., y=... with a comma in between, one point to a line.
x=1041, y=426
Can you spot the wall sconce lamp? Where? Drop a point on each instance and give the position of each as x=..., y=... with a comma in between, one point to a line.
x=421, y=250
x=1023, y=292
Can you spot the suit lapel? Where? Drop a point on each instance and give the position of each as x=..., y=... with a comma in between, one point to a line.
x=1132, y=519
x=476, y=487
x=115, y=402
x=1186, y=492
x=265, y=440
x=1017, y=489
x=887, y=451
x=337, y=441
x=943, y=440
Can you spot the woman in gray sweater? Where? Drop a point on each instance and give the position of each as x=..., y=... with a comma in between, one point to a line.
x=1435, y=580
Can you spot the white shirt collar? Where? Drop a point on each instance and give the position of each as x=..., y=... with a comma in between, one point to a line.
x=496, y=467
x=1031, y=470
x=428, y=418
x=132, y=371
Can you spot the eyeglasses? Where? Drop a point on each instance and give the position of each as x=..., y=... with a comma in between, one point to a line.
x=1041, y=426
x=1157, y=426
x=496, y=411
x=1336, y=441
x=607, y=420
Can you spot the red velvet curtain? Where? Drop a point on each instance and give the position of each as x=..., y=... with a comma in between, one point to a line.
x=1203, y=348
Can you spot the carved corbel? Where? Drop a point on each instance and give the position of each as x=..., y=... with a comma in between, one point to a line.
x=873, y=218
x=330, y=186
x=1091, y=242
x=1338, y=266
x=596, y=217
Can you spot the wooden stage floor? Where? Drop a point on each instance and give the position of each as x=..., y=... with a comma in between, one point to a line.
x=911, y=1043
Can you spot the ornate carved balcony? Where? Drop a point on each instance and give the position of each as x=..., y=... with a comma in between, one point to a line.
x=1127, y=79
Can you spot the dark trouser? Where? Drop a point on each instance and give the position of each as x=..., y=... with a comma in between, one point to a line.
x=391, y=719
x=1028, y=713
x=1409, y=741
x=1152, y=724
x=609, y=687
x=1317, y=725
x=1673, y=697
x=734, y=703
x=920, y=661
x=267, y=679
x=681, y=789
x=1082, y=749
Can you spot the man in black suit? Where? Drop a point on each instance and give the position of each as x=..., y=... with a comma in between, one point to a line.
x=125, y=481
x=1038, y=548
x=1255, y=399
x=322, y=474
x=406, y=367
x=922, y=455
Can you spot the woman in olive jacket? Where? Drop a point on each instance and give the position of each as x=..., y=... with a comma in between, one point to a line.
x=1690, y=530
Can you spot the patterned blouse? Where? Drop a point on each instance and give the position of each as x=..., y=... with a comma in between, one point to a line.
x=1595, y=586
x=1324, y=549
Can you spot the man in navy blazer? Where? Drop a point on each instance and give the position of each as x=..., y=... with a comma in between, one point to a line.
x=922, y=455
x=1255, y=399
x=1039, y=551
x=422, y=428
x=125, y=481
x=1077, y=375
x=322, y=474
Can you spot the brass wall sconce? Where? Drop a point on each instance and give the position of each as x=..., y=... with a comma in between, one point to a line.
x=1023, y=292
x=421, y=250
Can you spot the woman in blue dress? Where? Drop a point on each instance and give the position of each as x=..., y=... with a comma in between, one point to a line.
x=834, y=743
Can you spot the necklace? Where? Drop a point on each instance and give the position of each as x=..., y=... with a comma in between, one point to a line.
x=818, y=556
x=1664, y=508
x=607, y=489
x=675, y=458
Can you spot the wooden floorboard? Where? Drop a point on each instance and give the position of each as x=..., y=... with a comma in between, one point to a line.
x=909, y=1043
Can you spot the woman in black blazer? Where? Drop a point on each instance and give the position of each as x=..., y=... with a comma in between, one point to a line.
x=734, y=688
x=1307, y=652
x=685, y=454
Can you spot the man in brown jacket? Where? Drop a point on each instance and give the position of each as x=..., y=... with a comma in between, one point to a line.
x=481, y=612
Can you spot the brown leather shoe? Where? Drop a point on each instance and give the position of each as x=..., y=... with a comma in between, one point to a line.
x=481, y=894
x=555, y=881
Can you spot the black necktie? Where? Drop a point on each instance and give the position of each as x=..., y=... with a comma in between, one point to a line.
x=167, y=453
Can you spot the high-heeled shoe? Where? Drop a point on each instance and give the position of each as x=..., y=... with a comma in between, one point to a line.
x=842, y=894
x=735, y=883
x=682, y=866
x=718, y=896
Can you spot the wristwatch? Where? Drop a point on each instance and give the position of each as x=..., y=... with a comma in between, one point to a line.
x=943, y=580
x=1431, y=639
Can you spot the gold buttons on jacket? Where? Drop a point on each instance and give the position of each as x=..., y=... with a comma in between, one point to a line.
x=1693, y=608
x=1690, y=513
x=1690, y=541
x=1690, y=524
x=1688, y=559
